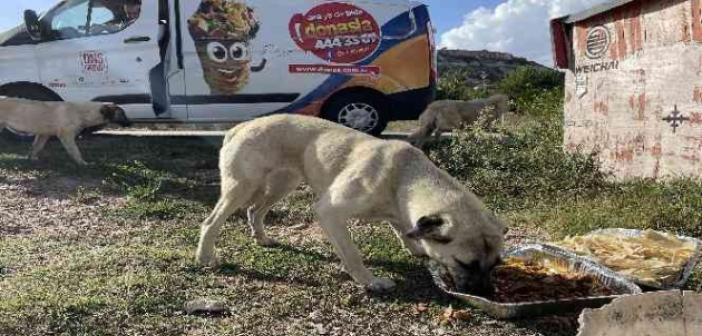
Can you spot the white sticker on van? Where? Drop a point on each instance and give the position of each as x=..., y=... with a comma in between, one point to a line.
x=93, y=62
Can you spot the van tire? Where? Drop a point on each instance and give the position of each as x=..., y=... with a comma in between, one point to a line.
x=25, y=91
x=363, y=111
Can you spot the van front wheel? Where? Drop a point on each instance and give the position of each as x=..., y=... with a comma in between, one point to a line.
x=358, y=110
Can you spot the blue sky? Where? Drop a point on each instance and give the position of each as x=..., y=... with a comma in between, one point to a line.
x=519, y=27
x=447, y=14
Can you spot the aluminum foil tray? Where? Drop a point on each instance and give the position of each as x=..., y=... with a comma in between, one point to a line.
x=539, y=252
x=685, y=273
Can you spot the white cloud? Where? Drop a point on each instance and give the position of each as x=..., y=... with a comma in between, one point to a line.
x=519, y=27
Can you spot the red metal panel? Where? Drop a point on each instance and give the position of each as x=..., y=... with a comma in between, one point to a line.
x=559, y=43
x=697, y=20
x=635, y=27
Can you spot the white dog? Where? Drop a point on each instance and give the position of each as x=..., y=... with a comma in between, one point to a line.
x=62, y=119
x=447, y=115
x=355, y=176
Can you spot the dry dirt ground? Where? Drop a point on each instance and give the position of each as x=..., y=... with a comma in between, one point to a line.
x=109, y=249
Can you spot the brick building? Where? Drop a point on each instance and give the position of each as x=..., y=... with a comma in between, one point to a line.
x=634, y=85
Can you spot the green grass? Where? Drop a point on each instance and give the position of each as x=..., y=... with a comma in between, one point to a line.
x=133, y=269
x=129, y=269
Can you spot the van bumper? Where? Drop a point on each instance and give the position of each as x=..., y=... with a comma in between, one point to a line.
x=409, y=105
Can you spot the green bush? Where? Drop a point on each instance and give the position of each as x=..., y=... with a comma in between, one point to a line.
x=530, y=80
x=517, y=168
x=527, y=86
x=525, y=172
x=544, y=104
x=453, y=86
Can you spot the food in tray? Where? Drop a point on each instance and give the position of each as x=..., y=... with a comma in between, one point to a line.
x=652, y=258
x=528, y=281
x=518, y=281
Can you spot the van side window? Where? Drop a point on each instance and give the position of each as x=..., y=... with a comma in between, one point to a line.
x=69, y=20
x=81, y=18
x=109, y=17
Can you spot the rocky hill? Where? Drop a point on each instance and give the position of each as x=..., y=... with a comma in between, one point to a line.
x=481, y=65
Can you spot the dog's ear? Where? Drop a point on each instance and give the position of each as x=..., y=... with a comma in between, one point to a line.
x=108, y=111
x=427, y=228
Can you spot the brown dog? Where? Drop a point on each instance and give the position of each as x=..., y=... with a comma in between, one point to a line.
x=447, y=115
x=355, y=176
x=61, y=119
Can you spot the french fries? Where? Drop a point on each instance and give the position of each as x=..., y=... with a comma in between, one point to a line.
x=654, y=258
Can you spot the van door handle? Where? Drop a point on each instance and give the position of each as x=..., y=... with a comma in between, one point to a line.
x=137, y=39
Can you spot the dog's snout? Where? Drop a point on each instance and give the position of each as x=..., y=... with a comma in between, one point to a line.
x=477, y=284
x=473, y=278
x=121, y=118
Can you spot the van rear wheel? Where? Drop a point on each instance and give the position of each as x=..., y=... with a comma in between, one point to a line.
x=25, y=92
x=365, y=112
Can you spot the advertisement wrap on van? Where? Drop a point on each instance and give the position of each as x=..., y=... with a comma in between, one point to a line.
x=359, y=63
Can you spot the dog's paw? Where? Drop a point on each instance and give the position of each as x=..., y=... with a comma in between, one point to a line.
x=381, y=285
x=211, y=261
x=267, y=242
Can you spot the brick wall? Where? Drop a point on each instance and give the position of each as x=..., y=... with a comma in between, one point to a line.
x=632, y=67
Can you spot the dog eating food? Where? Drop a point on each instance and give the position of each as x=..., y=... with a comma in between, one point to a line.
x=355, y=176
x=517, y=281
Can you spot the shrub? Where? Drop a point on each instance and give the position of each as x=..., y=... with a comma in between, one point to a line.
x=518, y=167
x=530, y=80
x=521, y=166
x=527, y=86
x=545, y=104
x=525, y=171
x=453, y=86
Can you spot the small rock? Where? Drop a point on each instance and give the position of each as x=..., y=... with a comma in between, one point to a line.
x=203, y=306
x=321, y=330
x=420, y=309
x=462, y=315
x=299, y=226
x=315, y=316
x=441, y=332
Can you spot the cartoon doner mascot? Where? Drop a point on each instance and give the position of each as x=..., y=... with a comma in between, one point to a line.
x=222, y=30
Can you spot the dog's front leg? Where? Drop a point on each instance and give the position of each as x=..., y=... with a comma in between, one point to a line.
x=38, y=146
x=338, y=234
x=69, y=142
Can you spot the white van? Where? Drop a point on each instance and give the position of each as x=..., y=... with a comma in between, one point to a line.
x=359, y=63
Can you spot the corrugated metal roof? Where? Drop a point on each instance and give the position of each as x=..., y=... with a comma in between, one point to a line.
x=599, y=9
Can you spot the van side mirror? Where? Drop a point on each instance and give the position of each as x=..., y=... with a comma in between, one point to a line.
x=31, y=22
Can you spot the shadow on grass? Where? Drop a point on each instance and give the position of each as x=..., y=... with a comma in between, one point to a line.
x=252, y=274
x=187, y=168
